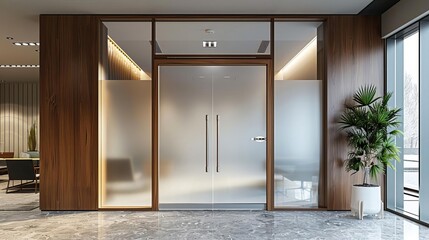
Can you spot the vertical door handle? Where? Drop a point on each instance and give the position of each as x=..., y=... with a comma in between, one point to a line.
x=207, y=142
x=217, y=143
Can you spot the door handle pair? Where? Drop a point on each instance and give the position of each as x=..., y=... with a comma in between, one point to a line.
x=217, y=142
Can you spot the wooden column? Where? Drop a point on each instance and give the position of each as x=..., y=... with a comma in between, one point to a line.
x=354, y=57
x=69, y=112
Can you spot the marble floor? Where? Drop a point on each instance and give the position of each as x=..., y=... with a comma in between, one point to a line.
x=17, y=200
x=204, y=225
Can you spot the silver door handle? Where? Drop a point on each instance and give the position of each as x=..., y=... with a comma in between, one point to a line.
x=217, y=143
x=207, y=142
x=259, y=139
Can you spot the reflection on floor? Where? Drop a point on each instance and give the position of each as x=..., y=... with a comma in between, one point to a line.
x=17, y=199
x=205, y=225
x=296, y=194
x=411, y=206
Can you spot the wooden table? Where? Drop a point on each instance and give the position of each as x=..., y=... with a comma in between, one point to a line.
x=17, y=159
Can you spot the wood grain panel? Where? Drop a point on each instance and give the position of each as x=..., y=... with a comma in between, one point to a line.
x=69, y=112
x=18, y=110
x=354, y=55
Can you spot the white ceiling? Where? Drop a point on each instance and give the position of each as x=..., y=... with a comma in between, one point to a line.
x=20, y=18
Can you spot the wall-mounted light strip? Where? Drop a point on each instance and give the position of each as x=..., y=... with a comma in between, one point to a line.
x=209, y=44
x=19, y=66
x=123, y=52
x=292, y=63
x=26, y=44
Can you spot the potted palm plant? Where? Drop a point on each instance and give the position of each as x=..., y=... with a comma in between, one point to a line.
x=370, y=127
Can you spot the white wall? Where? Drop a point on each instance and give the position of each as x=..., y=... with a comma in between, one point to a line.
x=402, y=14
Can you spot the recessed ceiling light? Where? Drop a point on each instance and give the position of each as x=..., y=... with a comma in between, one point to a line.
x=209, y=31
x=9, y=38
x=209, y=44
x=19, y=66
x=26, y=44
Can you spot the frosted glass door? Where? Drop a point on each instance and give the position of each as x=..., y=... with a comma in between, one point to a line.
x=239, y=118
x=185, y=173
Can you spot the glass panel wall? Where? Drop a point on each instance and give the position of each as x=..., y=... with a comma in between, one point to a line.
x=407, y=78
x=213, y=37
x=411, y=123
x=125, y=117
x=298, y=116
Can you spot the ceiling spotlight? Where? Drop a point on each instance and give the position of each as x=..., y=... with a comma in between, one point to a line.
x=19, y=66
x=209, y=31
x=26, y=44
x=209, y=44
x=9, y=38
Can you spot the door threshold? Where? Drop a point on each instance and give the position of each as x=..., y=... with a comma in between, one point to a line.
x=210, y=206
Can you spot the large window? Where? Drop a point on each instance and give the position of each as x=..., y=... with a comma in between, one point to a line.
x=407, y=187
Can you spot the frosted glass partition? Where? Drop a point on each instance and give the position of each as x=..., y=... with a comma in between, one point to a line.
x=126, y=143
x=298, y=136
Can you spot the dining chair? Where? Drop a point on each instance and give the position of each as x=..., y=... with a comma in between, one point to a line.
x=21, y=170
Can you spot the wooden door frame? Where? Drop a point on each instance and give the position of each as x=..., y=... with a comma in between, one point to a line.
x=207, y=61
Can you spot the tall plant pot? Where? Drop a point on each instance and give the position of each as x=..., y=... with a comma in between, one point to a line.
x=366, y=200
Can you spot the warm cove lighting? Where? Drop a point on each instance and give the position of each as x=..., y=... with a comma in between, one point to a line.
x=19, y=66
x=26, y=44
x=288, y=69
x=122, y=59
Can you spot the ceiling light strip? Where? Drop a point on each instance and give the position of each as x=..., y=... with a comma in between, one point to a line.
x=31, y=44
x=19, y=66
x=123, y=52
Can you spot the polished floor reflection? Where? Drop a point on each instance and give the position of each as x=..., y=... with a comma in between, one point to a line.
x=205, y=225
x=17, y=199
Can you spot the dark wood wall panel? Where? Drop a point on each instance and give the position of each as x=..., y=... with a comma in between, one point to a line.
x=19, y=109
x=69, y=112
x=354, y=57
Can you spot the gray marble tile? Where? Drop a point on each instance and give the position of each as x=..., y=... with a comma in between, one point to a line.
x=23, y=200
x=204, y=225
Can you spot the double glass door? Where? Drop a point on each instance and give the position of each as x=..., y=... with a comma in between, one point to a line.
x=212, y=137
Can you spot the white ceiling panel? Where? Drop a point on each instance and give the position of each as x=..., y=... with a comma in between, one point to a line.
x=20, y=18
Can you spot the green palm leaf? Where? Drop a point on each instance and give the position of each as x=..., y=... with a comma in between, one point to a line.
x=370, y=127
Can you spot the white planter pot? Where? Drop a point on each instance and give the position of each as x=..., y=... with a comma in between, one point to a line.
x=366, y=201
